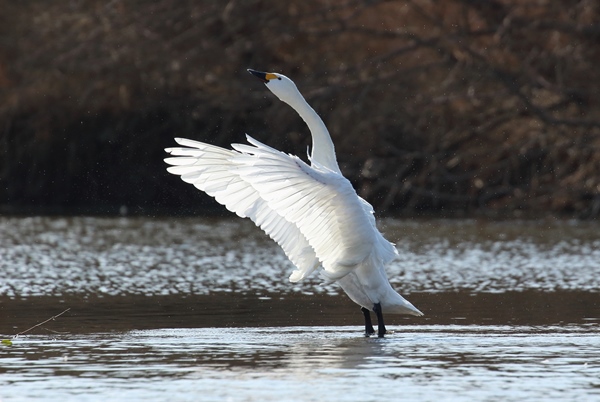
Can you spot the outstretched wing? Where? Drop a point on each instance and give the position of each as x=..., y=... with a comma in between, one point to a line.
x=321, y=203
x=211, y=169
x=311, y=211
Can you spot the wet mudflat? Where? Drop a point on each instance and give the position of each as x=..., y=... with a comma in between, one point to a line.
x=201, y=309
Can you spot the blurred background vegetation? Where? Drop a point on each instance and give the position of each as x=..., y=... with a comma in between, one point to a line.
x=445, y=107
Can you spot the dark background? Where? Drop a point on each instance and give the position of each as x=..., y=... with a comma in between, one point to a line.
x=450, y=107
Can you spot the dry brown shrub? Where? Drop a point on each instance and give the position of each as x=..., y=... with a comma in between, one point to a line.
x=449, y=106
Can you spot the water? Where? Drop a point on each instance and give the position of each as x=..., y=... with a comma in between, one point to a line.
x=201, y=309
x=308, y=363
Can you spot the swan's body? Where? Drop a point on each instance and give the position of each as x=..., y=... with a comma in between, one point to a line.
x=311, y=211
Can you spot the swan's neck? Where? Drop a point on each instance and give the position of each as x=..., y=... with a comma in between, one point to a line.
x=323, y=151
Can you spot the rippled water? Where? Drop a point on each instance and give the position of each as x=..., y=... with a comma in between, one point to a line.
x=200, y=309
x=423, y=363
x=55, y=256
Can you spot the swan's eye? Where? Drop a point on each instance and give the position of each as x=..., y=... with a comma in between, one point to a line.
x=279, y=78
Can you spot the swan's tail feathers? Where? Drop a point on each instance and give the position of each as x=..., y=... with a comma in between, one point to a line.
x=412, y=310
x=396, y=304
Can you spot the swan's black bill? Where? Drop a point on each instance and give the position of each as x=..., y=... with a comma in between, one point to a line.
x=259, y=74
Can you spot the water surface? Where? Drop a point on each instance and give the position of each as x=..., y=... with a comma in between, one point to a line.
x=422, y=362
x=56, y=256
x=201, y=309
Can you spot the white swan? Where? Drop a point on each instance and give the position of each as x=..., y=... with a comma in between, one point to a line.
x=312, y=212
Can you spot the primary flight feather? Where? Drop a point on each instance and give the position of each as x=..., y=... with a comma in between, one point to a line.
x=311, y=211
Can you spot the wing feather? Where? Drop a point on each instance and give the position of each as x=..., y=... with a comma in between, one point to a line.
x=320, y=202
x=312, y=212
x=210, y=169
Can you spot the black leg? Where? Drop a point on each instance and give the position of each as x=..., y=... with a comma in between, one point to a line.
x=369, y=330
x=380, y=325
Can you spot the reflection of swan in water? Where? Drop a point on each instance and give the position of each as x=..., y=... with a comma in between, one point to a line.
x=292, y=349
x=333, y=353
x=312, y=212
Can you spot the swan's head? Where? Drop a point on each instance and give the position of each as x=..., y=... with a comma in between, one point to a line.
x=279, y=84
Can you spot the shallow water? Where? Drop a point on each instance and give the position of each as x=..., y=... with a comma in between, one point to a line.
x=201, y=309
x=308, y=363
